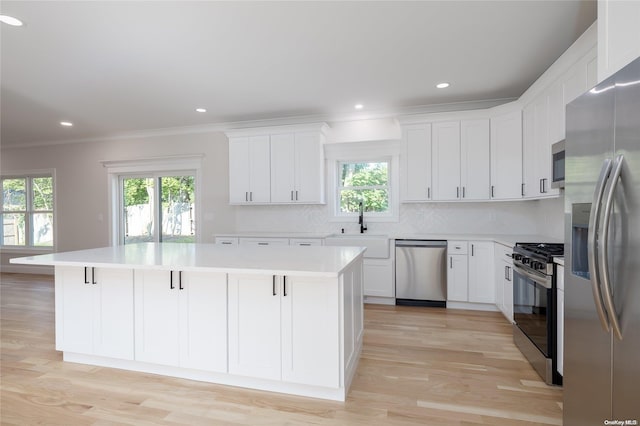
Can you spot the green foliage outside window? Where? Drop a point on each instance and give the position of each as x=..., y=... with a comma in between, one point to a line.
x=366, y=183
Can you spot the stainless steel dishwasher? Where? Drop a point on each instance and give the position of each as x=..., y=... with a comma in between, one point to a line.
x=421, y=272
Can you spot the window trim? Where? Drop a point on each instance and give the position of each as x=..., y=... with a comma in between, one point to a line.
x=29, y=247
x=370, y=151
x=168, y=165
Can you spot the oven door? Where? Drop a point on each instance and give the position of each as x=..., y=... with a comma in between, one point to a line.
x=533, y=307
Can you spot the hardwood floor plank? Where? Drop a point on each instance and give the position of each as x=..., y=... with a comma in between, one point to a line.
x=419, y=366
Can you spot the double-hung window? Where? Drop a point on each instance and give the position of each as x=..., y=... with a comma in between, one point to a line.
x=27, y=210
x=366, y=184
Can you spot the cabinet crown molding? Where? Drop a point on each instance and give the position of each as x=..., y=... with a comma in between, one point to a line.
x=321, y=127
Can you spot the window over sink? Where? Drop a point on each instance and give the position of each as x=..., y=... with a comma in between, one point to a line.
x=365, y=182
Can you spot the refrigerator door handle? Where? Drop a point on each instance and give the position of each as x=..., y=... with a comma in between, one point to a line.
x=603, y=247
x=591, y=243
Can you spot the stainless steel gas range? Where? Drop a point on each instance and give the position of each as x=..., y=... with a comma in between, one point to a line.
x=534, y=306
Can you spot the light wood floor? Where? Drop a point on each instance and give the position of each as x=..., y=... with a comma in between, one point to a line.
x=418, y=367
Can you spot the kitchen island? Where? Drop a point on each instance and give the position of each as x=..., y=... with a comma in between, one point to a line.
x=283, y=319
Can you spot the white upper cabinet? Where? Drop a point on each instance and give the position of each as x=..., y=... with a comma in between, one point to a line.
x=446, y=161
x=274, y=165
x=297, y=168
x=474, y=159
x=249, y=170
x=618, y=35
x=416, y=163
x=506, y=156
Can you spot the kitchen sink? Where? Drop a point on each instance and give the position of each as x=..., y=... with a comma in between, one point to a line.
x=377, y=245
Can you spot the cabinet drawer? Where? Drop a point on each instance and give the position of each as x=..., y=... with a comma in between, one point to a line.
x=264, y=241
x=305, y=242
x=503, y=252
x=457, y=247
x=227, y=241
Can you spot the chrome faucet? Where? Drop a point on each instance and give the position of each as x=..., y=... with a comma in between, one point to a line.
x=363, y=227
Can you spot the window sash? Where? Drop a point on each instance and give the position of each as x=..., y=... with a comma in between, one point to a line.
x=341, y=188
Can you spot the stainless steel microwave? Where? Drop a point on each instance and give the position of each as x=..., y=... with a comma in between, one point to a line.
x=557, y=165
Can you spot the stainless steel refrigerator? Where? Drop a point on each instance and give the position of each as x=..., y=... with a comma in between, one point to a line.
x=602, y=253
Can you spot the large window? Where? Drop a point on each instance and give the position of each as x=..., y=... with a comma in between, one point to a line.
x=27, y=211
x=366, y=183
x=157, y=208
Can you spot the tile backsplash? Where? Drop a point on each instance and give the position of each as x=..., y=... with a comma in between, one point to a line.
x=543, y=217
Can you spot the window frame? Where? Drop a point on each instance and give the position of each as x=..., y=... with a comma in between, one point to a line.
x=354, y=152
x=29, y=211
x=189, y=164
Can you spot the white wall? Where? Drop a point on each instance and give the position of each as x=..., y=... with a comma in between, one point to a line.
x=82, y=203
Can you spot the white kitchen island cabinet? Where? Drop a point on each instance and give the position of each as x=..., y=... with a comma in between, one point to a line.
x=292, y=316
x=94, y=311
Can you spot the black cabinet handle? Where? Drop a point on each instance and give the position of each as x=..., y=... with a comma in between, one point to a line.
x=86, y=280
x=250, y=195
x=450, y=262
x=246, y=196
x=296, y=195
x=472, y=250
x=541, y=186
x=171, y=287
x=429, y=193
x=492, y=191
x=284, y=285
x=291, y=195
x=274, y=285
x=508, y=273
x=457, y=192
x=180, y=280
x=522, y=189
x=464, y=192
x=93, y=276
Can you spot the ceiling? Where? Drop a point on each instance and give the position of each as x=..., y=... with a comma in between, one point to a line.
x=115, y=68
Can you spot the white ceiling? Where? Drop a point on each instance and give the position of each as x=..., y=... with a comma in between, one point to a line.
x=115, y=67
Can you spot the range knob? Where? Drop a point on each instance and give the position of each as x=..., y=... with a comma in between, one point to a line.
x=525, y=260
x=517, y=256
x=535, y=265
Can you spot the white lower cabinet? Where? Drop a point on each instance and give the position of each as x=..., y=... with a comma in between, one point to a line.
x=284, y=328
x=504, y=280
x=94, y=311
x=481, y=278
x=181, y=319
x=378, y=278
x=457, y=278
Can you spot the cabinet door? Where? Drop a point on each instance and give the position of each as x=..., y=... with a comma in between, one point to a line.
x=548, y=129
x=156, y=317
x=530, y=187
x=283, y=160
x=482, y=287
x=416, y=159
x=239, y=183
x=310, y=331
x=500, y=276
x=74, y=309
x=475, y=176
x=506, y=156
x=556, y=105
x=309, y=168
x=254, y=326
x=378, y=278
x=446, y=161
x=203, y=321
x=508, y=292
x=618, y=35
x=259, y=169
x=113, y=316
x=457, y=281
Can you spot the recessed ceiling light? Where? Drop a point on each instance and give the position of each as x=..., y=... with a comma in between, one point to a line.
x=358, y=106
x=442, y=85
x=66, y=123
x=10, y=20
x=201, y=110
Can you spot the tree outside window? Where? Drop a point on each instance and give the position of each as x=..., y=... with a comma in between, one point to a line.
x=366, y=183
x=27, y=211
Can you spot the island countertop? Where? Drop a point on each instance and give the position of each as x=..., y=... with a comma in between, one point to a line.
x=320, y=261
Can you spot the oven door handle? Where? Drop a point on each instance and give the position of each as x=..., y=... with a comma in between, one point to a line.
x=591, y=243
x=543, y=280
x=603, y=245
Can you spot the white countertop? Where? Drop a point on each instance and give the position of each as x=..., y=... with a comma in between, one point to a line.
x=317, y=261
x=505, y=239
x=559, y=260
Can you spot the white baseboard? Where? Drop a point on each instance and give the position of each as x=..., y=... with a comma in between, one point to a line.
x=380, y=300
x=472, y=306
